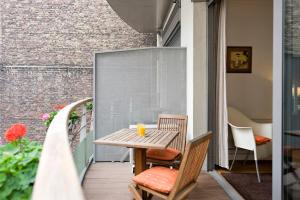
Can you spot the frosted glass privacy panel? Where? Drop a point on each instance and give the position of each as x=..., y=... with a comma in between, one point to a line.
x=134, y=86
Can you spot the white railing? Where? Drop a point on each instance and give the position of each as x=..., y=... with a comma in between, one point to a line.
x=57, y=176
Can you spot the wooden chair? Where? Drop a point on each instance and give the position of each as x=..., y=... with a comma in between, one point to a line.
x=177, y=184
x=176, y=149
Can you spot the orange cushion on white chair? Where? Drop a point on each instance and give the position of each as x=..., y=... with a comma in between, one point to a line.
x=160, y=179
x=261, y=140
x=167, y=154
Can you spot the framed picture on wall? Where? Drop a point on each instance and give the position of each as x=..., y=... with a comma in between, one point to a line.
x=239, y=59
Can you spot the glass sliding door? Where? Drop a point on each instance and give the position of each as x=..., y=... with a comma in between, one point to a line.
x=291, y=100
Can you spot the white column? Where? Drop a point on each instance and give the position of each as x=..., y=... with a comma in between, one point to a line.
x=194, y=37
x=158, y=40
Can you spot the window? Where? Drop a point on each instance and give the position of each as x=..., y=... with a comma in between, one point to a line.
x=291, y=100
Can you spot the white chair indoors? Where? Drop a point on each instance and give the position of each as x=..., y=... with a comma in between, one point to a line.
x=248, y=134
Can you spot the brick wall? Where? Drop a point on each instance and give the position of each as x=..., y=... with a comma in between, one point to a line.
x=46, y=54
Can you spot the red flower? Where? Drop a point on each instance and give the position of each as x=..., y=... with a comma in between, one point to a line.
x=15, y=132
x=59, y=107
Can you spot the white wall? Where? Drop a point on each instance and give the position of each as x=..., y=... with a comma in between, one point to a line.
x=249, y=23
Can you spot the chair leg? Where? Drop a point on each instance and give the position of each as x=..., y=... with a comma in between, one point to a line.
x=135, y=193
x=256, y=165
x=236, y=149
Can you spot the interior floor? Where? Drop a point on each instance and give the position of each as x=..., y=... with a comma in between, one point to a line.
x=243, y=178
x=265, y=166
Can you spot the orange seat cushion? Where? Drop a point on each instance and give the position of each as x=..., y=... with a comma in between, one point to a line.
x=160, y=179
x=261, y=140
x=167, y=154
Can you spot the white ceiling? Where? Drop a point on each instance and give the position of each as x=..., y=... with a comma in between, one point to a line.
x=145, y=16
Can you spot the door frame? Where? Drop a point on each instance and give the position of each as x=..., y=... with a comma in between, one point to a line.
x=277, y=185
x=277, y=153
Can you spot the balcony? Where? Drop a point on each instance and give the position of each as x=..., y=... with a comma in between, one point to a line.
x=66, y=171
x=110, y=181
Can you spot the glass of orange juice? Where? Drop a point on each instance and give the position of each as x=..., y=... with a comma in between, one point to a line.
x=141, y=129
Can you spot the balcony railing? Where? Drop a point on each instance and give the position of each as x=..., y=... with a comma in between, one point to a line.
x=66, y=154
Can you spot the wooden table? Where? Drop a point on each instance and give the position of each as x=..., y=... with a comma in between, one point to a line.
x=154, y=139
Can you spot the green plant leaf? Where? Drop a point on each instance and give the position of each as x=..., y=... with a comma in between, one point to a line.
x=18, y=169
x=2, y=178
x=9, y=148
x=89, y=106
x=8, y=187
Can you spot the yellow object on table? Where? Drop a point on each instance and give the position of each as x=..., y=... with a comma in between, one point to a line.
x=141, y=130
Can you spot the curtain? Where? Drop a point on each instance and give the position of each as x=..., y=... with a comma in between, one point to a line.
x=213, y=36
x=222, y=117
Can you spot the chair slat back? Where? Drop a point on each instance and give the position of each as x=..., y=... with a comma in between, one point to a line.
x=175, y=123
x=192, y=162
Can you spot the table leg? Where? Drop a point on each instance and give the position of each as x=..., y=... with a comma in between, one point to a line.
x=140, y=164
x=140, y=160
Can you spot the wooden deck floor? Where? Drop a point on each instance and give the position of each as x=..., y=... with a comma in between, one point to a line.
x=109, y=181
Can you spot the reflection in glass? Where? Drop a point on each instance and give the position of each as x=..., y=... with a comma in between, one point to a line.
x=291, y=99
